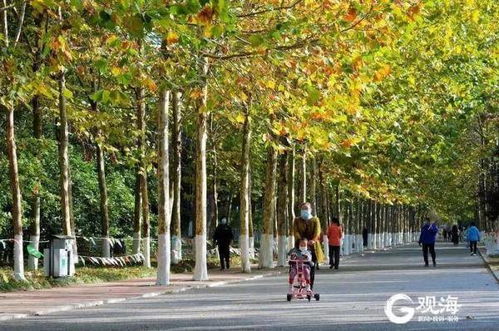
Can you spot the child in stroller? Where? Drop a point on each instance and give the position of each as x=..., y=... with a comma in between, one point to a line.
x=300, y=262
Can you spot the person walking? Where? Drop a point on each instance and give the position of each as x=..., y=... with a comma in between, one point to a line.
x=429, y=231
x=309, y=227
x=223, y=237
x=455, y=235
x=334, y=235
x=365, y=234
x=473, y=237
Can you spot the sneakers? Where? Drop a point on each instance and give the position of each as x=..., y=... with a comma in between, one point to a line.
x=434, y=264
x=330, y=267
x=426, y=265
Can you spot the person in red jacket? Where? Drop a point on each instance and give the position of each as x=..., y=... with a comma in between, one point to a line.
x=334, y=235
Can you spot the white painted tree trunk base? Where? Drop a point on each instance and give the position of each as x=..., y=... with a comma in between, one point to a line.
x=245, y=253
x=200, y=269
x=266, y=249
x=252, y=247
x=325, y=241
x=360, y=243
x=136, y=243
x=370, y=239
x=106, y=247
x=147, y=252
x=282, y=248
x=18, y=258
x=176, y=250
x=164, y=251
x=346, y=243
x=33, y=261
x=291, y=242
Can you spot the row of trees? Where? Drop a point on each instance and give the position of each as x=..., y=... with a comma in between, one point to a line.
x=270, y=102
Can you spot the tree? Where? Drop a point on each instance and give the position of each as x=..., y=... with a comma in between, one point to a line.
x=164, y=215
x=245, y=192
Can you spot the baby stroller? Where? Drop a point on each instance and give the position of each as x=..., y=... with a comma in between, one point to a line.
x=299, y=283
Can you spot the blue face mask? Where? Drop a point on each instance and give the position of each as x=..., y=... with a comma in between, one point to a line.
x=305, y=214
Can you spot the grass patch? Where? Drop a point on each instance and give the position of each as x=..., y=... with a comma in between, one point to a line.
x=86, y=275
x=93, y=275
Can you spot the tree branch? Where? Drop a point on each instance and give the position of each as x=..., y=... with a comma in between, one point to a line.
x=6, y=23
x=259, y=12
x=6, y=7
x=297, y=45
x=21, y=22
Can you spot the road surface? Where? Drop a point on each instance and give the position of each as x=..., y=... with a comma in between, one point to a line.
x=352, y=298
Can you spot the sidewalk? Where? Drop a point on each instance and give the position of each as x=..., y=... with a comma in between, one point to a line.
x=491, y=262
x=39, y=302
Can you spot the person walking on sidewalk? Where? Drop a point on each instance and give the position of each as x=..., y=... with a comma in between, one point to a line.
x=334, y=235
x=223, y=237
x=455, y=235
x=365, y=234
x=473, y=237
x=427, y=237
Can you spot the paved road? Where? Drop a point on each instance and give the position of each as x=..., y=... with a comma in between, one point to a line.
x=352, y=298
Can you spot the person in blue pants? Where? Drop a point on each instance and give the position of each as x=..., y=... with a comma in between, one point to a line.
x=473, y=237
x=427, y=237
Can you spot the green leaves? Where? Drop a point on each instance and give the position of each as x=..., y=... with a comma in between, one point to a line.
x=114, y=97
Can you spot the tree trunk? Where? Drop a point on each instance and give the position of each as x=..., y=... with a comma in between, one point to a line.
x=291, y=197
x=101, y=177
x=282, y=211
x=250, y=225
x=200, y=269
x=137, y=219
x=64, y=159
x=141, y=145
x=16, y=197
x=146, y=225
x=245, y=195
x=214, y=214
x=313, y=187
x=104, y=207
x=163, y=273
x=303, y=177
x=266, y=244
x=177, y=178
x=36, y=201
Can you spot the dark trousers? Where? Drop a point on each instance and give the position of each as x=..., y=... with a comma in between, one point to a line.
x=334, y=256
x=431, y=248
x=473, y=246
x=224, y=252
x=313, y=267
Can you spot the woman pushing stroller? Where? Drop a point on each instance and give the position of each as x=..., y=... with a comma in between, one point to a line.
x=309, y=227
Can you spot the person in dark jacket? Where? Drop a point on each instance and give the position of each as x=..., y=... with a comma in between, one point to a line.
x=455, y=234
x=365, y=233
x=223, y=237
x=427, y=237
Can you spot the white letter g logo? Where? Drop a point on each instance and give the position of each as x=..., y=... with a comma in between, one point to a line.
x=408, y=311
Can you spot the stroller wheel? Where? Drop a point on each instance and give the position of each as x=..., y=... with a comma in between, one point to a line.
x=288, y=297
x=309, y=297
x=317, y=296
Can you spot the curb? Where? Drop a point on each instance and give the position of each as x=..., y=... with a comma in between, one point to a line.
x=145, y=295
x=493, y=272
